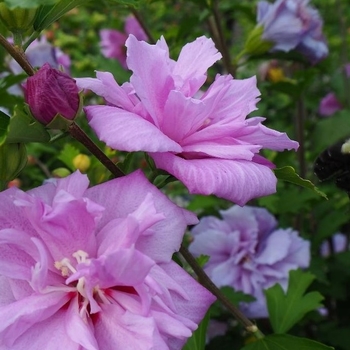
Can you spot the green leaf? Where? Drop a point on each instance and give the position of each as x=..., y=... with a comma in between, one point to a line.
x=134, y=3
x=287, y=173
x=4, y=126
x=198, y=338
x=321, y=137
x=285, y=342
x=23, y=128
x=202, y=259
x=285, y=310
x=236, y=297
x=67, y=155
x=27, y=4
x=48, y=14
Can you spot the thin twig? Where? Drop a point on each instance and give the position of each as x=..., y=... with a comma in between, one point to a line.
x=18, y=55
x=207, y=283
x=143, y=25
x=75, y=131
x=220, y=37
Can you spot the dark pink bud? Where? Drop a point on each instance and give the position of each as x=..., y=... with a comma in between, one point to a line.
x=50, y=91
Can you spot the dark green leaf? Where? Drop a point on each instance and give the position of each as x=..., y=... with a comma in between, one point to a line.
x=287, y=173
x=285, y=342
x=285, y=310
x=198, y=338
x=330, y=130
x=48, y=14
x=27, y=3
x=24, y=129
x=4, y=126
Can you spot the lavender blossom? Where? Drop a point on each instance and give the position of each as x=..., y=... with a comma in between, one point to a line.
x=329, y=105
x=249, y=253
x=292, y=25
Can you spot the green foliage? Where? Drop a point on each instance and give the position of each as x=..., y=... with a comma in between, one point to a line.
x=23, y=128
x=202, y=260
x=48, y=14
x=13, y=158
x=27, y=4
x=235, y=297
x=68, y=153
x=198, y=338
x=285, y=342
x=4, y=126
x=285, y=310
x=288, y=174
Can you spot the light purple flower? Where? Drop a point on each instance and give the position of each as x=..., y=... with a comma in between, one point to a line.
x=206, y=142
x=113, y=41
x=329, y=105
x=92, y=268
x=340, y=243
x=249, y=253
x=39, y=52
x=293, y=24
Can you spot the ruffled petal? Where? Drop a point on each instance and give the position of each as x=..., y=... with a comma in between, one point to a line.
x=127, y=131
x=18, y=317
x=119, y=329
x=235, y=180
x=151, y=77
x=123, y=196
x=106, y=87
x=48, y=334
x=190, y=70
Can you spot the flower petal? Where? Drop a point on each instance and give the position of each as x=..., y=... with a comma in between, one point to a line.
x=18, y=317
x=235, y=180
x=191, y=67
x=124, y=195
x=119, y=329
x=127, y=131
x=151, y=77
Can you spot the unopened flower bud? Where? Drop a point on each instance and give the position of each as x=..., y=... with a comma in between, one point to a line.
x=13, y=158
x=50, y=92
x=60, y=172
x=17, y=20
x=81, y=162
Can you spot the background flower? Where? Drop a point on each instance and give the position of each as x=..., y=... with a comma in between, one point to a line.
x=329, y=105
x=39, y=52
x=293, y=24
x=113, y=42
x=92, y=269
x=207, y=142
x=249, y=253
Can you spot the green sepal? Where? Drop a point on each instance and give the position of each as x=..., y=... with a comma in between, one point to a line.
x=24, y=128
x=17, y=20
x=4, y=126
x=255, y=45
x=13, y=158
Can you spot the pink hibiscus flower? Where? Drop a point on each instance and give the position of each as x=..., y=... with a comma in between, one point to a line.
x=91, y=268
x=206, y=142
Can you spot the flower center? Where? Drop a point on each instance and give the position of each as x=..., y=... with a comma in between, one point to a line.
x=87, y=289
